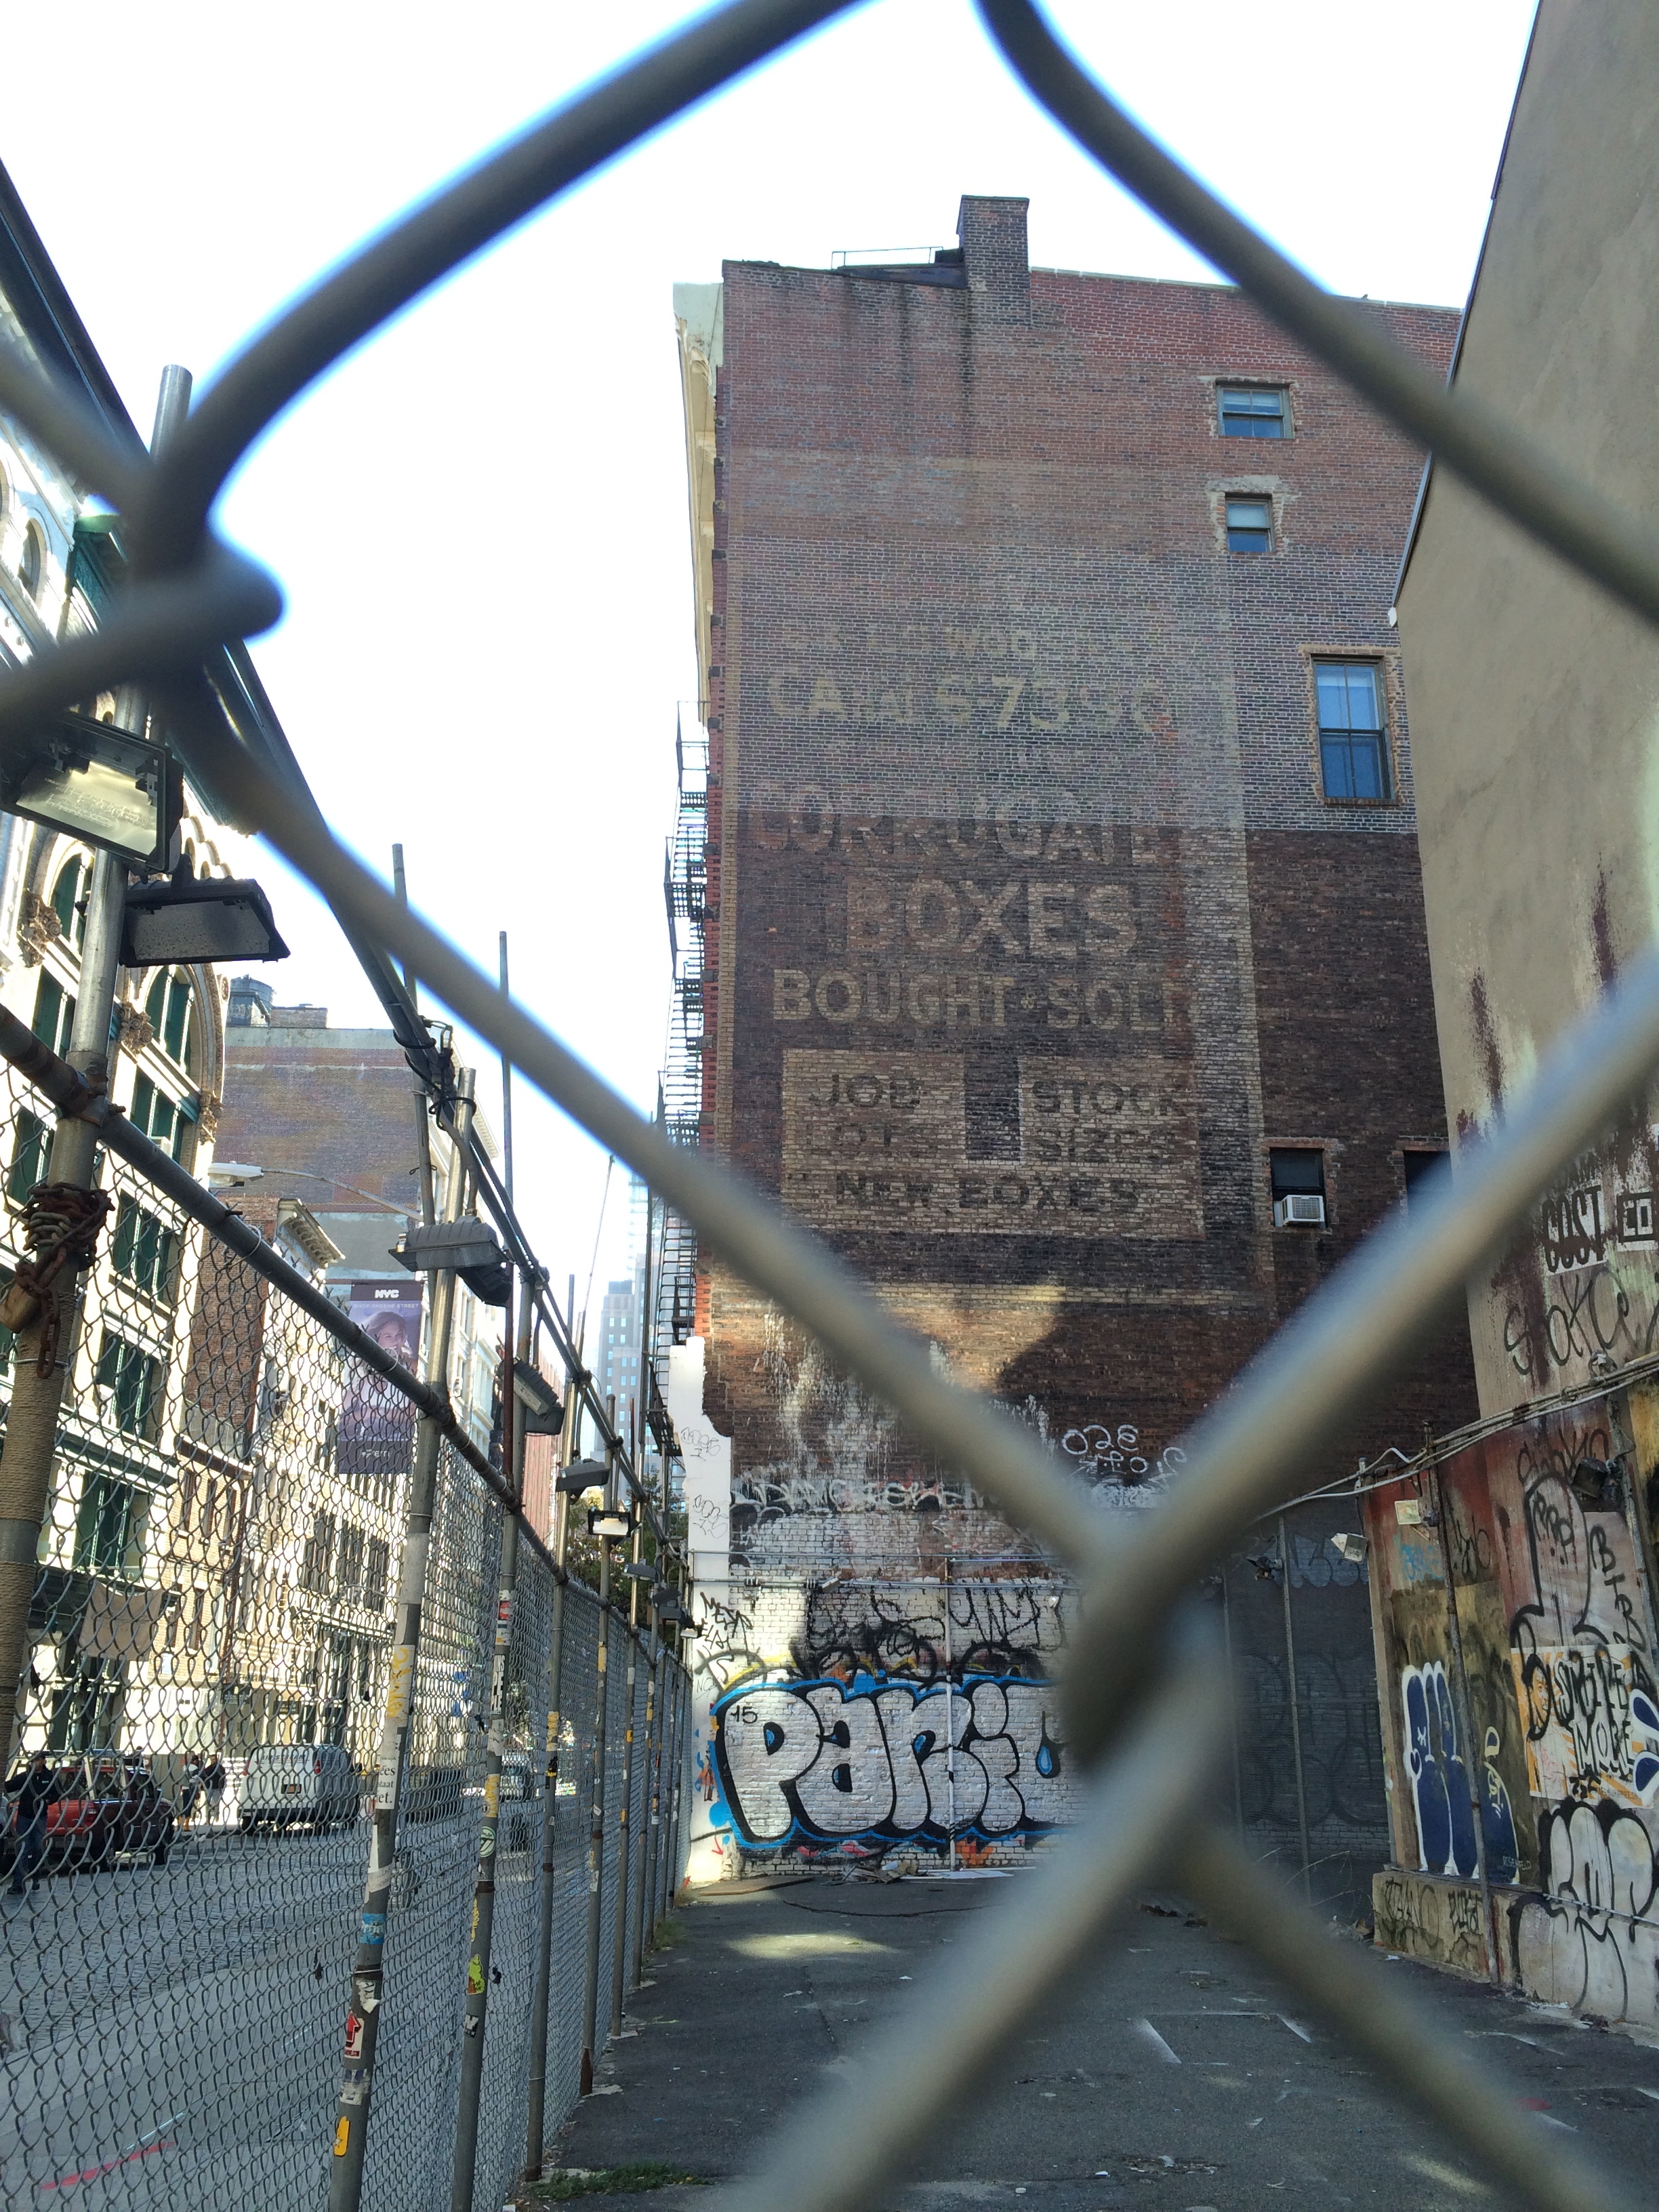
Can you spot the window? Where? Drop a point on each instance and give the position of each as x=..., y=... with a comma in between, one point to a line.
x=29, y=1152
x=170, y=1007
x=109, y=1529
x=54, y=1014
x=1250, y=525
x=146, y=1251
x=171, y=1126
x=377, y=1562
x=319, y=1556
x=33, y=563
x=1418, y=1168
x=1297, y=1175
x=135, y=1381
x=66, y=899
x=1248, y=412
x=349, y=1562
x=1353, y=741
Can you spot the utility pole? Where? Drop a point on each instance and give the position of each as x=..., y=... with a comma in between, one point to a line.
x=63, y=1224
x=345, y=2182
x=476, y=2011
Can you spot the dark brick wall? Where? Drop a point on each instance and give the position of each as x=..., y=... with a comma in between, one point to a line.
x=1034, y=929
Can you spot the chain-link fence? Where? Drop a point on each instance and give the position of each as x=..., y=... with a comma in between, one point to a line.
x=1143, y=1716
x=209, y=1640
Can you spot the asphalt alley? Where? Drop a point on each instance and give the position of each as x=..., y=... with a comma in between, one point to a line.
x=1181, y=2077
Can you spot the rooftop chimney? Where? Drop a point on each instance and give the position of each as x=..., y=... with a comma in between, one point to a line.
x=992, y=235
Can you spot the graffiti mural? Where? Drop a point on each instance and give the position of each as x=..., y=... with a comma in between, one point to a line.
x=1589, y=1942
x=1544, y=1534
x=956, y=1630
x=882, y=1762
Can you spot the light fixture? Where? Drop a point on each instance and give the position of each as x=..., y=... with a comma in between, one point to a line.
x=582, y=1475
x=1352, y=1548
x=187, y=917
x=610, y=1523
x=639, y=1570
x=234, y=1172
x=468, y=1246
x=1595, y=1483
x=101, y=784
x=543, y=1408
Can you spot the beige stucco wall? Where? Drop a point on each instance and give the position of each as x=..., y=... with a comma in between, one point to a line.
x=1536, y=701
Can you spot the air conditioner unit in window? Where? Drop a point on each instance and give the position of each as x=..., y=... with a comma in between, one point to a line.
x=1299, y=1206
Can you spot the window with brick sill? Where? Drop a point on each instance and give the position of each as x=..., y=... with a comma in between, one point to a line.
x=1250, y=525
x=1297, y=1173
x=1252, y=410
x=1353, y=734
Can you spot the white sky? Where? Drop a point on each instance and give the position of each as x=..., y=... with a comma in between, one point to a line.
x=479, y=520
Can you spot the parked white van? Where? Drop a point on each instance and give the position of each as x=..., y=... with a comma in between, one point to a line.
x=286, y=1782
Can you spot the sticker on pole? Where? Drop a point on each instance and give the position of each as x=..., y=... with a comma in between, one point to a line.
x=342, y=2135
x=354, y=2033
x=398, y=1688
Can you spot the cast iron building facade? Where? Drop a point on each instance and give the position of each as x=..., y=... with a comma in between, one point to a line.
x=1066, y=954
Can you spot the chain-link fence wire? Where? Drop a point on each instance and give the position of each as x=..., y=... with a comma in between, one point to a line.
x=209, y=1632
x=1138, y=1702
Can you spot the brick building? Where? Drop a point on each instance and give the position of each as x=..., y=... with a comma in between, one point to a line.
x=329, y=1116
x=1066, y=963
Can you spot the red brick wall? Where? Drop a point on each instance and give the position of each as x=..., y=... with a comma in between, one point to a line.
x=1033, y=928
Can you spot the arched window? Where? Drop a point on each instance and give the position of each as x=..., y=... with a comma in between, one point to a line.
x=33, y=563
x=66, y=896
x=171, y=1007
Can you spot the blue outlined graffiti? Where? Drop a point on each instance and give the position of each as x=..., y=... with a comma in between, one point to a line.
x=1439, y=1778
x=826, y=1763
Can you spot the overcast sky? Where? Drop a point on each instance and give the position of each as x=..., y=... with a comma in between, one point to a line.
x=479, y=520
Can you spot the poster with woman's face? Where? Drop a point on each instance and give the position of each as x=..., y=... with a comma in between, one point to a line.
x=377, y=1425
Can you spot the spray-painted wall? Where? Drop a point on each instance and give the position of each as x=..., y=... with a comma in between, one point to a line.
x=1514, y=1603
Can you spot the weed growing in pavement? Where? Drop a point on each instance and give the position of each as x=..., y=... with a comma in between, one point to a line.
x=569, y=2181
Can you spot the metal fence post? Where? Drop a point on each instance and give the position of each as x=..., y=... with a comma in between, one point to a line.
x=596, y=1810
x=363, y=2015
x=646, y=1924
x=1295, y=1694
x=536, y=2092
x=624, y=1853
x=47, y=1341
x=479, y=1950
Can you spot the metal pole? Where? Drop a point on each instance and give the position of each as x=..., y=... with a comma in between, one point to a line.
x=345, y=2184
x=1232, y=1699
x=650, y=1833
x=38, y=1393
x=477, y=2009
x=950, y=1725
x=536, y=2098
x=1296, y=1709
x=596, y=1811
x=624, y=1841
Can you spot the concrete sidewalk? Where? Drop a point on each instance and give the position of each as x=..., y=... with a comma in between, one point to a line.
x=1182, y=2079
